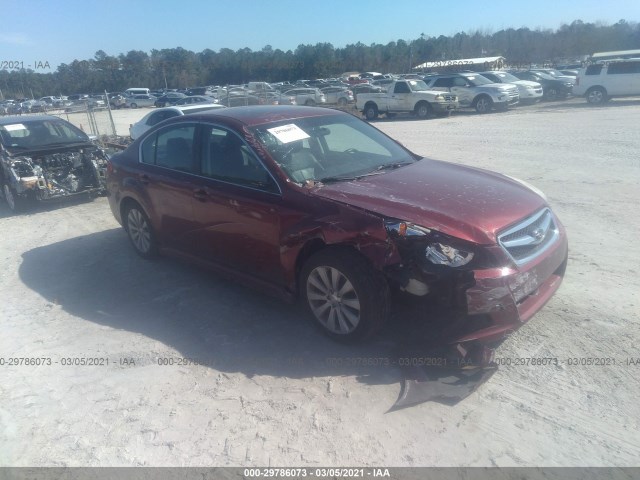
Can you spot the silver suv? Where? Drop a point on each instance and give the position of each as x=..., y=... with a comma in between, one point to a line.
x=474, y=90
x=600, y=81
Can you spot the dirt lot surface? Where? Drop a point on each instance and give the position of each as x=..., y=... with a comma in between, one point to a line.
x=266, y=391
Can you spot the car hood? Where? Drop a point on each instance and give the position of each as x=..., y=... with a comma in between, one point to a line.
x=526, y=83
x=465, y=202
x=496, y=86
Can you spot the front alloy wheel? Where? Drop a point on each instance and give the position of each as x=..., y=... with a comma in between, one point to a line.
x=8, y=196
x=140, y=232
x=483, y=105
x=333, y=300
x=345, y=295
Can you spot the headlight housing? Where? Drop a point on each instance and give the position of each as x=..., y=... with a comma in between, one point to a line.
x=430, y=247
x=443, y=254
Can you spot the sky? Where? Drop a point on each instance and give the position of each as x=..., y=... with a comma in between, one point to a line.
x=41, y=32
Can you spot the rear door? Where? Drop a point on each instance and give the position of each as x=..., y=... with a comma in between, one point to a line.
x=168, y=162
x=623, y=78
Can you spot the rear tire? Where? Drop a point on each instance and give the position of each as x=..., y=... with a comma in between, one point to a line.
x=140, y=231
x=347, y=298
x=370, y=111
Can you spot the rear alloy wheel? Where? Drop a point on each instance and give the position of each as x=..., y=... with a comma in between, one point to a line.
x=348, y=299
x=134, y=105
x=597, y=96
x=342, y=102
x=140, y=232
x=423, y=110
x=483, y=104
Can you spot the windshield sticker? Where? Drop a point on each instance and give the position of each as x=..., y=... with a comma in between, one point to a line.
x=288, y=133
x=14, y=127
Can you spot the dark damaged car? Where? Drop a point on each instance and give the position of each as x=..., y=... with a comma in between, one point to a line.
x=317, y=204
x=45, y=158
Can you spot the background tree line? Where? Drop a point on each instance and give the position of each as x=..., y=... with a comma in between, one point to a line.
x=180, y=68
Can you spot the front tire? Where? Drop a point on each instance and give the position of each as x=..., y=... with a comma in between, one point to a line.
x=597, y=96
x=140, y=232
x=346, y=296
x=14, y=202
x=552, y=93
x=423, y=110
x=310, y=103
x=134, y=105
x=483, y=104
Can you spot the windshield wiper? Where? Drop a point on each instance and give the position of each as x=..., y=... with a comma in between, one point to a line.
x=378, y=170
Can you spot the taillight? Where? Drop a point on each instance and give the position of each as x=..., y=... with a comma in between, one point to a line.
x=109, y=167
x=577, y=80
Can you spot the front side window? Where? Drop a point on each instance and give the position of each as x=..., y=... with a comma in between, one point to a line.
x=593, y=69
x=225, y=156
x=171, y=147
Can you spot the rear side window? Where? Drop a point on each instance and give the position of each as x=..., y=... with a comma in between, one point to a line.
x=171, y=147
x=623, y=68
x=443, y=82
x=593, y=69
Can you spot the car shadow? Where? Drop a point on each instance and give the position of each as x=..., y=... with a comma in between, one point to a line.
x=216, y=322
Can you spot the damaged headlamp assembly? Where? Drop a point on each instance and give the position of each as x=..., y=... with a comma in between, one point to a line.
x=429, y=256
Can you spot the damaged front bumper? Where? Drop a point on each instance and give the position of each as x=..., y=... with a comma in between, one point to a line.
x=493, y=297
x=50, y=176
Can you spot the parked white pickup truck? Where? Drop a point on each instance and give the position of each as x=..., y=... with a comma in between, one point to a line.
x=406, y=96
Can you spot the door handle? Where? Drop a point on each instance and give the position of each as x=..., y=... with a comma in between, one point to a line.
x=200, y=195
x=144, y=179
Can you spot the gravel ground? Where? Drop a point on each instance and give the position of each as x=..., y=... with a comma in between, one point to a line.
x=264, y=392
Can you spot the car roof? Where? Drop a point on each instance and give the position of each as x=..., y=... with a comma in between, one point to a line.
x=261, y=114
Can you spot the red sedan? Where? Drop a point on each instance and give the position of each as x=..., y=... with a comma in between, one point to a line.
x=317, y=204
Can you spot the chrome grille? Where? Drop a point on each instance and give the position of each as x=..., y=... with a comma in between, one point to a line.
x=450, y=98
x=529, y=238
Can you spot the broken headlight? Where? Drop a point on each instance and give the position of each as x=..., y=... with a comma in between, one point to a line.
x=430, y=247
x=443, y=254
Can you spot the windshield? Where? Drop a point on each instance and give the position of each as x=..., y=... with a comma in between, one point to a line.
x=546, y=76
x=40, y=133
x=478, y=79
x=418, y=85
x=507, y=77
x=330, y=148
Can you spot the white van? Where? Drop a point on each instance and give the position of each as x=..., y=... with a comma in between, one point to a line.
x=600, y=81
x=136, y=91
